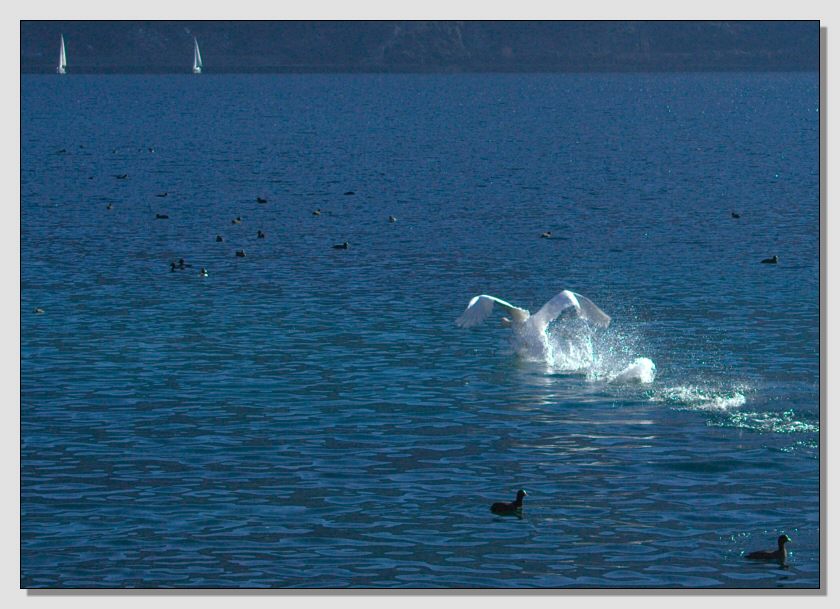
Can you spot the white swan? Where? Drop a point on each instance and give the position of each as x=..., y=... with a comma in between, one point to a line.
x=530, y=330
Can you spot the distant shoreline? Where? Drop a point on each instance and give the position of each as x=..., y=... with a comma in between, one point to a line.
x=353, y=70
x=421, y=47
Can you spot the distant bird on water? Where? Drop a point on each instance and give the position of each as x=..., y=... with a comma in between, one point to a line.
x=734, y=215
x=121, y=176
x=780, y=554
x=162, y=194
x=349, y=192
x=237, y=220
x=546, y=235
x=203, y=272
x=240, y=253
x=261, y=200
x=161, y=217
x=341, y=246
x=260, y=234
x=509, y=509
x=392, y=219
x=317, y=212
x=109, y=206
x=773, y=260
x=219, y=239
x=39, y=311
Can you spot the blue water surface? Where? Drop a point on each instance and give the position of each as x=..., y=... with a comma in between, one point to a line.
x=311, y=417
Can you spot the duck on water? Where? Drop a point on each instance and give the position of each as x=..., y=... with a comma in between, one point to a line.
x=779, y=554
x=514, y=508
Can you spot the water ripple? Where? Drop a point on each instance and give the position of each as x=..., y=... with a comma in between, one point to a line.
x=307, y=417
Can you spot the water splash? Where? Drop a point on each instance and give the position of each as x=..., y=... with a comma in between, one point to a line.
x=724, y=407
x=571, y=349
x=702, y=398
x=575, y=348
x=641, y=370
x=785, y=422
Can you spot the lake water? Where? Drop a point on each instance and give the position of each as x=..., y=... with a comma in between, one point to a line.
x=311, y=417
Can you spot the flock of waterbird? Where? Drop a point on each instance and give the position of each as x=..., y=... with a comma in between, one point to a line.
x=240, y=253
x=181, y=264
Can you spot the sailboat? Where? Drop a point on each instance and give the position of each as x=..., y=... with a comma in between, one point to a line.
x=62, y=58
x=197, y=65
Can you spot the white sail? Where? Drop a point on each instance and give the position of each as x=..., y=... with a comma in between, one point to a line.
x=62, y=58
x=197, y=65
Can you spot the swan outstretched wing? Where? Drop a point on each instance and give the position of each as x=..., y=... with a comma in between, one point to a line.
x=566, y=299
x=480, y=308
x=590, y=312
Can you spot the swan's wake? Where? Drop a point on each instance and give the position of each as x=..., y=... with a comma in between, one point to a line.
x=562, y=334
